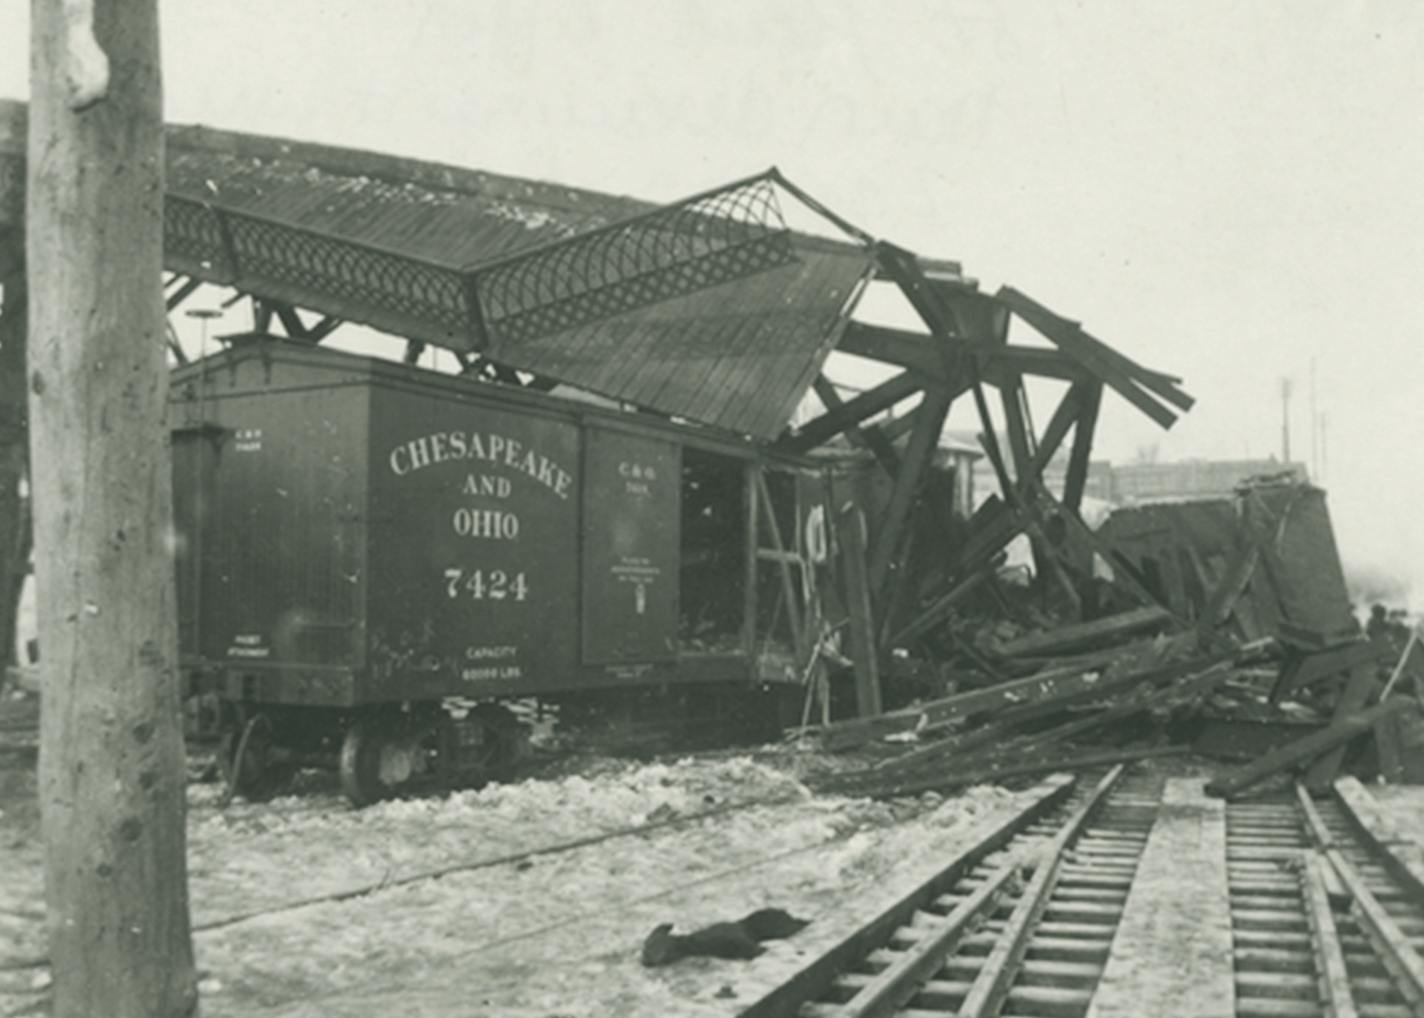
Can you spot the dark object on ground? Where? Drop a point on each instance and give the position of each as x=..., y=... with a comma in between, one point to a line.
x=740, y=939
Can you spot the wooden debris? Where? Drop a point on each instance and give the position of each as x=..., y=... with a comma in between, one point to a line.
x=1304, y=668
x=862, y=636
x=1088, y=634
x=1299, y=752
x=1356, y=694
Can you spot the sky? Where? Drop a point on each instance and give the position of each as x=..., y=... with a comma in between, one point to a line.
x=1230, y=192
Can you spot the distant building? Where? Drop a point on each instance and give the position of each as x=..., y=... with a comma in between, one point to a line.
x=1148, y=482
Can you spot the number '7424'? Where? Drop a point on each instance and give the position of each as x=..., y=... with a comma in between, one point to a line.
x=481, y=585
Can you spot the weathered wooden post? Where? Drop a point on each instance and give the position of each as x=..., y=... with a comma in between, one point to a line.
x=111, y=753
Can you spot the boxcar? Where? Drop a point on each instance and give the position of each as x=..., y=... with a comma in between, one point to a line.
x=371, y=556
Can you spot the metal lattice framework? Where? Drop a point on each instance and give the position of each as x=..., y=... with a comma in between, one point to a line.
x=712, y=238
x=304, y=266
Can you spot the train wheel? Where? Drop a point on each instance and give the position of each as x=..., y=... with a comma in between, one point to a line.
x=379, y=759
x=246, y=759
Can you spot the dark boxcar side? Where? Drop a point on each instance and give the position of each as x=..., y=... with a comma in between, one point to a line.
x=270, y=499
x=474, y=517
x=631, y=497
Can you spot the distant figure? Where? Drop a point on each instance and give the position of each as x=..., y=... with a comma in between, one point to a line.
x=740, y=939
x=1378, y=625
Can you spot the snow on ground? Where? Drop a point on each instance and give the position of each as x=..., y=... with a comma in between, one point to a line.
x=554, y=934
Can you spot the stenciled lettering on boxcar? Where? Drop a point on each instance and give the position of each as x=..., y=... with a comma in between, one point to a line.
x=483, y=507
x=632, y=491
x=475, y=521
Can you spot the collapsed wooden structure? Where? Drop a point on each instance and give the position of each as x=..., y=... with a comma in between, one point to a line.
x=708, y=310
x=711, y=311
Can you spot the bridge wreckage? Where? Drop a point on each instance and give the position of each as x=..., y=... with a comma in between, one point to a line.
x=861, y=576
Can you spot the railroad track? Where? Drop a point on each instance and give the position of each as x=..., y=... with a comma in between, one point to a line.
x=1321, y=926
x=1319, y=922
x=1026, y=929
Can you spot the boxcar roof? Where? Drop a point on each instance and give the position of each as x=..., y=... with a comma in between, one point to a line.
x=348, y=368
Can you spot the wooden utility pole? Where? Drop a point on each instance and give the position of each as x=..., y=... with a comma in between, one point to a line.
x=14, y=442
x=111, y=754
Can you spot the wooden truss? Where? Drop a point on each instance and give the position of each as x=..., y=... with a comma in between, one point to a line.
x=965, y=350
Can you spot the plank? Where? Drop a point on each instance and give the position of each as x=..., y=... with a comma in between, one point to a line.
x=1084, y=634
x=1016, y=423
x=1233, y=584
x=1172, y=954
x=1064, y=417
x=862, y=627
x=918, y=453
x=1058, y=686
x=938, y=609
x=1077, y=342
x=788, y=584
x=1076, y=479
x=961, y=705
x=871, y=438
x=1305, y=668
x=1298, y=752
x=908, y=349
x=751, y=504
x=855, y=410
x=1357, y=692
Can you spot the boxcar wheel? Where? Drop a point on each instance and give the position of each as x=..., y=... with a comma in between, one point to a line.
x=361, y=763
x=383, y=756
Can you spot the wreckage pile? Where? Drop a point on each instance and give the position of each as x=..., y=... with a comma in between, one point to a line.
x=1241, y=646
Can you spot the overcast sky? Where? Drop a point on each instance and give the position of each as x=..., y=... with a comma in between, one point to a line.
x=1227, y=191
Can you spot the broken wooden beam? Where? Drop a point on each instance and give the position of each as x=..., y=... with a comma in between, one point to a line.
x=1079, y=456
x=855, y=410
x=938, y=609
x=1306, y=668
x=851, y=528
x=918, y=452
x=1358, y=691
x=1117, y=369
x=1057, y=686
x=1085, y=634
x=918, y=350
x=1188, y=681
x=872, y=438
x=1301, y=751
x=1065, y=415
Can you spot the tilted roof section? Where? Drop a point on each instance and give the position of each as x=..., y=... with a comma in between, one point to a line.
x=738, y=356
x=708, y=309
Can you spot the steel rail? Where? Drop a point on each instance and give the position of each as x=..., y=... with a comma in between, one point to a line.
x=1391, y=944
x=898, y=983
x=1332, y=975
x=990, y=987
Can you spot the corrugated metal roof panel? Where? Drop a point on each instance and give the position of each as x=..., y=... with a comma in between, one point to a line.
x=737, y=356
